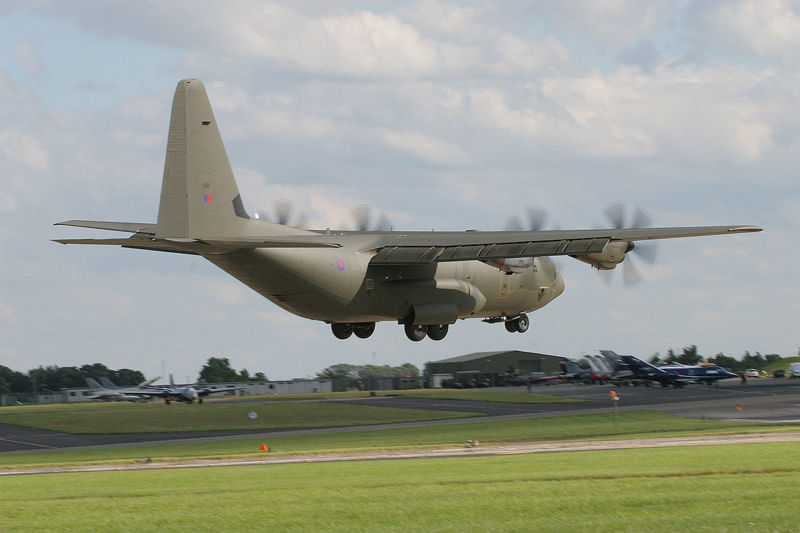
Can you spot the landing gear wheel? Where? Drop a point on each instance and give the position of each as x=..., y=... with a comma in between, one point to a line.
x=342, y=331
x=522, y=323
x=364, y=330
x=438, y=332
x=511, y=326
x=416, y=332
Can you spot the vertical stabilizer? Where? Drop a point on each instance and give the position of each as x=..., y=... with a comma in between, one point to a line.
x=199, y=197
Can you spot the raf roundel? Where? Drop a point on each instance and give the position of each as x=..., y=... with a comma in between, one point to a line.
x=340, y=264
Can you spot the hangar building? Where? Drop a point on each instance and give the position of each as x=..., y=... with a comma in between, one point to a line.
x=496, y=363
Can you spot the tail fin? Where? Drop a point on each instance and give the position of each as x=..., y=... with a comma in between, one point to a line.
x=92, y=383
x=641, y=368
x=107, y=383
x=199, y=196
x=148, y=382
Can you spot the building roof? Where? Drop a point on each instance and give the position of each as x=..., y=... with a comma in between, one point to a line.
x=483, y=355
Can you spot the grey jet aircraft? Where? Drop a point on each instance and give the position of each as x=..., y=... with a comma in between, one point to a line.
x=111, y=393
x=425, y=281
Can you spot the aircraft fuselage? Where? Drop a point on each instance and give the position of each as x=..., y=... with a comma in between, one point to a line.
x=338, y=286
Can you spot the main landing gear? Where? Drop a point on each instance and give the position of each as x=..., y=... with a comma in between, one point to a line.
x=361, y=329
x=519, y=324
x=417, y=332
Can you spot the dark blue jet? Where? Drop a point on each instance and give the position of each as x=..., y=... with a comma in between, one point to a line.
x=677, y=376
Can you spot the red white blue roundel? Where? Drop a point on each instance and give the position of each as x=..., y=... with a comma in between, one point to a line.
x=340, y=264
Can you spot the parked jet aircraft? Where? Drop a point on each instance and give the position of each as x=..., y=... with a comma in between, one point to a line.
x=708, y=374
x=425, y=281
x=113, y=393
x=573, y=372
x=107, y=383
x=677, y=376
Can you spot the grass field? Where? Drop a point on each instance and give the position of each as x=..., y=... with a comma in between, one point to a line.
x=630, y=424
x=118, y=417
x=273, y=412
x=716, y=488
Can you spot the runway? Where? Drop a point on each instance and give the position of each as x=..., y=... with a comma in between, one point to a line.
x=759, y=401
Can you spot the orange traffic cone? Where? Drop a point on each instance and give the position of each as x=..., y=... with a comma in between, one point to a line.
x=264, y=447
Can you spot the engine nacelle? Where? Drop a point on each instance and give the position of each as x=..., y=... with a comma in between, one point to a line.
x=612, y=255
x=512, y=265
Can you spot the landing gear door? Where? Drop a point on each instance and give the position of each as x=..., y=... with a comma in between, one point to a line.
x=505, y=285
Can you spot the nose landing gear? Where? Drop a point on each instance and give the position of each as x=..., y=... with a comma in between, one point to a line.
x=518, y=325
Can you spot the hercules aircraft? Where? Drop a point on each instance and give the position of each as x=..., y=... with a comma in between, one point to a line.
x=425, y=281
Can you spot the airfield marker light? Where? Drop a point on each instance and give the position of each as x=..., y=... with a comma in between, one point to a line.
x=615, y=402
x=264, y=447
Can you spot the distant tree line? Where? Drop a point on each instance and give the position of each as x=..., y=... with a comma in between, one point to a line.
x=219, y=370
x=46, y=379
x=52, y=378
x=347, y=371
x=690, y=356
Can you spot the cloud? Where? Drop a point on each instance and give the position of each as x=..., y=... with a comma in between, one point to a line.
x=768, y=29
x=25, y=52
x=25, y=148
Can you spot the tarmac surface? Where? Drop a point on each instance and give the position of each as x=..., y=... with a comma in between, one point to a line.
x=759, y=401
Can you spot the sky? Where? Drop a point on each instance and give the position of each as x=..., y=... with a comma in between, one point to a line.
x=443, y=115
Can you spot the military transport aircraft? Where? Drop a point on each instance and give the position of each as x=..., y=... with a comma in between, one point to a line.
x=425, y=281
x=143, y=393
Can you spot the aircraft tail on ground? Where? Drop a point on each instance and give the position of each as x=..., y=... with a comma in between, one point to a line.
x=199, y=196
x=92, y=383
x=107, y=383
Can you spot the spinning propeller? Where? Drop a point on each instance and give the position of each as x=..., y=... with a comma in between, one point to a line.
x=536, y=218
x=646, y=251
x=365, y=220
x=285, y=216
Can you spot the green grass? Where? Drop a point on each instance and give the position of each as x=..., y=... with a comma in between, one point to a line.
x=709, y=488
x=783, y=363
x=123, y=417
x=594, y=426
x=117, y=417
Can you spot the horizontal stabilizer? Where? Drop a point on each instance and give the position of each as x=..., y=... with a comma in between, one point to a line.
x=131, y=227
x=208, y=246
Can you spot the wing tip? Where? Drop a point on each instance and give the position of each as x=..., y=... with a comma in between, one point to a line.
x=745, y=229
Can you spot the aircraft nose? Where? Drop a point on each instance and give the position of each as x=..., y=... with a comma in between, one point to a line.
x=558, y=286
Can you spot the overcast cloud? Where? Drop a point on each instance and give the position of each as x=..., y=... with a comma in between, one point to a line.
x=445, y=115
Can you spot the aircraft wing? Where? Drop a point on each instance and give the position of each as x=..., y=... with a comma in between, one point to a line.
x=206, y=391
x=410, y=248
x=428, y=247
